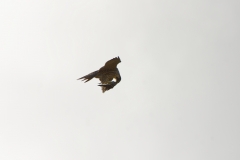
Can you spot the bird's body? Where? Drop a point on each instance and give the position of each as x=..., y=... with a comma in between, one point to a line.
x=106, y=74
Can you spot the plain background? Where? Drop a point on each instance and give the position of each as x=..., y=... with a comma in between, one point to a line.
x=179, y=94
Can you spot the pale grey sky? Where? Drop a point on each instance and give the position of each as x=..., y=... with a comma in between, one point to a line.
x=179, y=94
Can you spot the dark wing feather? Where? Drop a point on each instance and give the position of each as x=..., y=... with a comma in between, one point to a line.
x=111, y=64
x=88, y=77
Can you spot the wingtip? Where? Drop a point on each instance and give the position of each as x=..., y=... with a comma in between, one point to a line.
x=119, y=59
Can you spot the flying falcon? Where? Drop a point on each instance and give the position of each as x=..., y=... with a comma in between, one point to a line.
x=106, y=74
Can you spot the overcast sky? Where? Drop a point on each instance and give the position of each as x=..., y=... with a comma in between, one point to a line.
x=179, y=97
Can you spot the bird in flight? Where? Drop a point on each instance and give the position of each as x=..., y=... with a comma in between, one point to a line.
x=106, y=74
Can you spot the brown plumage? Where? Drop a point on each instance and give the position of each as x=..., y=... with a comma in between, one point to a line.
x=106, y=74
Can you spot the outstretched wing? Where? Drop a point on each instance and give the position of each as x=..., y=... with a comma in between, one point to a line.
x=111, y=64
x=88, y=77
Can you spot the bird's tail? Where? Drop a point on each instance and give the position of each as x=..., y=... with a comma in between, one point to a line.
x=89, y=76
x=106, y=87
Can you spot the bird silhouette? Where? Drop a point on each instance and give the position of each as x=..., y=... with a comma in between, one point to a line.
x=106, y=74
